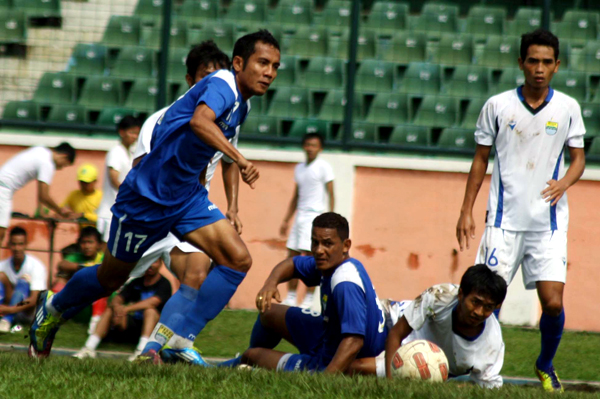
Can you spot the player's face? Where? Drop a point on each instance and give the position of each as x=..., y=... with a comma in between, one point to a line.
x=87, y=188
x=328, y=249
x=260, y=70
x=89, y=246
x=202, y=72
x=61, y=161
x=475, y=308
x=129, y=136
x=539, y=66
x=17, y=246
x=312, y=148
x=153, y=269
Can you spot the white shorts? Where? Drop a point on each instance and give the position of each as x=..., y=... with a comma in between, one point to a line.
x=5, y=206
x=299, y=239
x=103, y=226
x=542, y=254
x=161, y=249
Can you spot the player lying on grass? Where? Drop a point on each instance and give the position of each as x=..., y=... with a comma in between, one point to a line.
x=162, y=194
x=352, y=324
x=457, y=319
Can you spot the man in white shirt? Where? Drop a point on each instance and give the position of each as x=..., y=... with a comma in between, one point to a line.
x=38, y=163
x=527, y=213
x=118, y=164
x=22, y=277
x=314, y=180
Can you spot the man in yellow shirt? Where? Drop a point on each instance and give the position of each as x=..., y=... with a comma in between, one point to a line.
x=85, y=201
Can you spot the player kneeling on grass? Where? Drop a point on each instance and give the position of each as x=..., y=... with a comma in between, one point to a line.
x=457, y=319
x=352, y=324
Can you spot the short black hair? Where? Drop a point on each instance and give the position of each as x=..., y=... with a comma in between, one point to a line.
x=541, y=37
x=90, y=231
x=484, y=281
x=65, y=148
x=332, y=220
x=245, y=46
x=127, y=122
x=205, y=53
x=309, y=136
x=17, y=231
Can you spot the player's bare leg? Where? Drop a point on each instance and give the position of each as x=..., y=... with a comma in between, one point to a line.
x=190, y=268
x=291, y=299
x=274, y=320
x=263, y=358
x=364, y=366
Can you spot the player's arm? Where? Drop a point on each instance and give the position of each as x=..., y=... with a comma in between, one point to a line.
x=148, y=303
x=556, y=189
x=45, y=199
x=290, y=213
x=203, y=125
x=346, y=353
x=27, y=304
x=283, y=272
x=231, y=181
x=113, y=176
x=465, y=228
x=329, y=187
x=395, y=337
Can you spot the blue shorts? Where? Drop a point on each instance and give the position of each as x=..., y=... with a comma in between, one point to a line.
x=307, y=330
x=138, y=223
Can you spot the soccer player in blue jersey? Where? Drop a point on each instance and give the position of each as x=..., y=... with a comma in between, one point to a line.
x=352, y=323
x=162, y=194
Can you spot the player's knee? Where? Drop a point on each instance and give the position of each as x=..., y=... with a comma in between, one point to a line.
x=250, y=355
x=270, y=318
x=151, y=314
x=242, y=262
x=552, y=307
x=194, y=279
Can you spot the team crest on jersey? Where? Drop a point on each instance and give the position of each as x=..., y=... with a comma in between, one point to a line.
x=512, y=124
x=551, y=128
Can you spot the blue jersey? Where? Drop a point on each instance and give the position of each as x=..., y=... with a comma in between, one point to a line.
x=168, y=175
x=349, y=306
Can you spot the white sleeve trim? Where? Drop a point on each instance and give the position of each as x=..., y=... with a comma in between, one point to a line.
x=346, y=272
x=228, y=77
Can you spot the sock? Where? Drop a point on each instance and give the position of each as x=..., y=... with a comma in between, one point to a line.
x=291, y=297
x=74, y=311
x=497, y=314
x=92, y=342
x=551, y=328
x=263, y=337
x=236, y=361
x=83, y=287
x=20, y=293
x=142, y=343
x=172, y=317
x=179, y=342
x=99, y=306
x=213, y=296
x=1, y=293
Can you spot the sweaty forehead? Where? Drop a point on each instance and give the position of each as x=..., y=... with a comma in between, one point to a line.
x=323, y=233
x=540, y=51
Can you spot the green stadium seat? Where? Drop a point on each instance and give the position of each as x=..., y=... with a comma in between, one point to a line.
x=591, y=119
x=5, y=5
x=194, y=11
x=220, y=32
x=337, y=44
x=292, y=13
x=122, y=31
x=421, y=78
x=485, y=21
x=499, y=52
x=435, y=18
x=150, y=11
x=526, y=19
x=468, y=81
x=588, y=60
x=409, y=135
x=142, y=95
x=301, y=127
x=261, y=126
x=472, y=113
x=247, y=12
x=511, y=6
x=363, y=133
x=452, y=50
x=308, y=41
x=324, y=73
x=68, y=114
x=389, y=109
x=134, y=62
x=387, y=16
x=404, y=47
x=99, y=92
x=436, y=111
x=578, y=24
x=290, y=103
x=335, y=14
x=177, y=70
x=457, y=139
x=333, y=107
x=12, y=27
x=374, y=76
x=111, y=116
x=287, y=72
x=88, y=60
x=594, y=149
x=22, y=111
x=55, y=88
x=571, y=83
x=38, y=8
x=510, y=79
x=152, y=35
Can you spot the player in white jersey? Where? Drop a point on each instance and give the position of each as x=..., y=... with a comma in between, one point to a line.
x=457, y=319
x=527, y=213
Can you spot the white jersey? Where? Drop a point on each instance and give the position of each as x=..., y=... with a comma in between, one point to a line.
x=430, y=316
x=311, y=180
x=120, y=159
x=529, y=152
x=32, y=270
x=33, y=163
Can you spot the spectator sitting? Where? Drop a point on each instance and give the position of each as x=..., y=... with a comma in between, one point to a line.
x=22, y=277
x=132, y=314
x=84, y=202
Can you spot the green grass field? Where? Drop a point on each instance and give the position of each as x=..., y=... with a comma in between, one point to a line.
x=63, y=377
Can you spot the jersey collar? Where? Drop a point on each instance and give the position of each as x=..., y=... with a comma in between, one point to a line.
x=541, y=107
x=456, y=332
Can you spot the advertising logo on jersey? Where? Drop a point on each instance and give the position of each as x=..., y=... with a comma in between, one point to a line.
x=551, y=128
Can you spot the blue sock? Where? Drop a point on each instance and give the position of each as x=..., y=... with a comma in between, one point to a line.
x=82, y=288
x=497, y=314
x=263, y=337
x=213, y=296
x=551, y=328
x=1, y=294
x=236, y=361
x=20, y=293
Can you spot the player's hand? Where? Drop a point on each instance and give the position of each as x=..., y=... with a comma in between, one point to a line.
x=265, y=296
x=235, y=221
x=465, y=230
x=554, y=191
x=249, y=172
x=284, y=228
x=3, y=310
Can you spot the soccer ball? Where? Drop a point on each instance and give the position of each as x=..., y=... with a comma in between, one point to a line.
x=420, y=360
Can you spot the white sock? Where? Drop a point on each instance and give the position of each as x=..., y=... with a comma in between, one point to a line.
x=291, y=296
x=380, y=365
x=92, y=342
x=142, y=344
x=308, y=298
x=179, y=342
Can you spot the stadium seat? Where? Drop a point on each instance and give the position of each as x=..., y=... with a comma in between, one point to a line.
x=38, y=8
x=301, y=127
x=324, y=73
x=472, y=113
x=220, y=32
x=435, y=18
x=467, y=81
x=335, y=14
x=134, y=62
x=389, y=109
x=176, y=70
x=591, y=119
x=55, y=88
x=12, y=27
x=452, y=50
x=410, y=135
x=587, y=60
x=111, y=116
x=457, y=138
x=404, y=47
x=22, y=111
x=99, y=92
x=5, y=5
x=510, y=79
x=194, y=11
x=571, y=83
x=68, y=114
x=374, y=76
x=150, y=11
x=142, y=95
x=308, y=41
x=594, y=149
x=436, y=111
x=484, y=21
x=421, y=78
x=287, y=72
x=261, y=126
x=88, y=60
x=122, y=31
x=247, y=12
x=337, y=44
x=387, y=16
x=526, y=19
x=499, y=52
x=290, y=103
x=292, y=13
x=363, y=133
x=333, y=107
x=578, y=25
x=152, y=35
